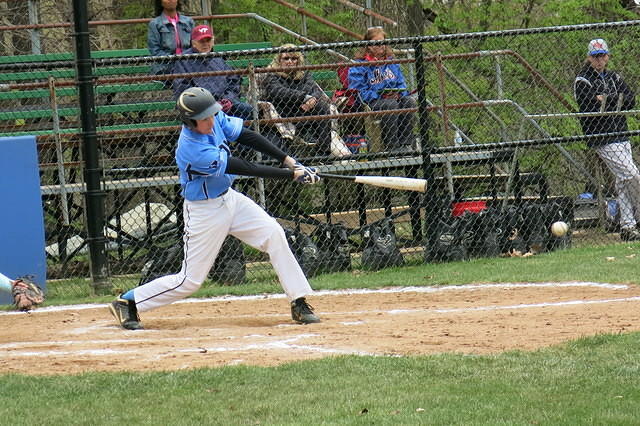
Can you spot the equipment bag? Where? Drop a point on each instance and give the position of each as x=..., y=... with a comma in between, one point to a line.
x=305, y=251
x=230, y=267
x=333, y=242
x=449, y=241
x=380, y=250
x=163, y=261
x=537, y=220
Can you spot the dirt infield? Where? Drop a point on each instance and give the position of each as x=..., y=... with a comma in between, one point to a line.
x=478, y=319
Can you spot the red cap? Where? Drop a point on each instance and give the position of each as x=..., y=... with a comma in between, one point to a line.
x=200, y=32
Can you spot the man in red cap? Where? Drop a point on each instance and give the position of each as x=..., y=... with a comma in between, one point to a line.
x=225, y=88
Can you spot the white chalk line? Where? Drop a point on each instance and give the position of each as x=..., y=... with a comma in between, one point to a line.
x=519, y=306
x=104, y=342
x=277, y=343
x=283, y=344
x=350, y=292
x=82, y=352
x=118, y=330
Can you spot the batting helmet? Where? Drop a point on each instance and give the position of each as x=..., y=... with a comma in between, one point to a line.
x=196, y=103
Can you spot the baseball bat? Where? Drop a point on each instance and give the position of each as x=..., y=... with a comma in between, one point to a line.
x=393, y=182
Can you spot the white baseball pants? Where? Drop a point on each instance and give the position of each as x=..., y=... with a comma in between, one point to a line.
x=618, y=158
x=6, y=283
x=207, y=223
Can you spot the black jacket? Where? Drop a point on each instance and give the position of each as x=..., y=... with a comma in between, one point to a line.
x=287, y=94
x=588, y=84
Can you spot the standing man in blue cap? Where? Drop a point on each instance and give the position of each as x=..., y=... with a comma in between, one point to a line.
x=598, y=89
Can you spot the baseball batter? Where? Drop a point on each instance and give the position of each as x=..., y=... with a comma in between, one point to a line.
x=212, y=210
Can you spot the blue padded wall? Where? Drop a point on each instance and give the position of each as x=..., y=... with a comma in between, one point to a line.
x=22, y=243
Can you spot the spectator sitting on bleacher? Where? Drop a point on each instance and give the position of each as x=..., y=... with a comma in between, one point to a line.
x=294, y=93
x=169, y=33
x=348, y=101
x=226, y=88
x=383, y=87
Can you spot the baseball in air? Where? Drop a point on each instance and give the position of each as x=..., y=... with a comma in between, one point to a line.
x=559, y=229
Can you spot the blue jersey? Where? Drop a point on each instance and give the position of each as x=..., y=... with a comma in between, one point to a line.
x=202, y=159
x=371, y=80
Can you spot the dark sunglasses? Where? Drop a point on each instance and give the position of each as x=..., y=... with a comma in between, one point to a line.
x=289, y=58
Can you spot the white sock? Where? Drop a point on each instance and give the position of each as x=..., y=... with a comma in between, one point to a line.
x=5, y=283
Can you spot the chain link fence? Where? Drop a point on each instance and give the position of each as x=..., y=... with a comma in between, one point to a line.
x=489, y=119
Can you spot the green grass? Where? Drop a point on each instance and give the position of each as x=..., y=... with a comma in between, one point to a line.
x=588, y=381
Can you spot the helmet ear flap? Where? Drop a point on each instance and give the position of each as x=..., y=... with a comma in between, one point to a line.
x=189, y=122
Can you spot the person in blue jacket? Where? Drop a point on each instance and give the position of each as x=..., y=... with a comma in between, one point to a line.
x=225, y=88
x=169, y=33
x=383, y=87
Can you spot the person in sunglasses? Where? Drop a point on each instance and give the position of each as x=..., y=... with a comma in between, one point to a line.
x=294, y=93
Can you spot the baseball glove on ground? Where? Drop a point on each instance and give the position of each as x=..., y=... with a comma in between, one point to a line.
x=26, y=294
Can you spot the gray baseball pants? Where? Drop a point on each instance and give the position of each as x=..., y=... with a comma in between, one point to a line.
x=618, y=158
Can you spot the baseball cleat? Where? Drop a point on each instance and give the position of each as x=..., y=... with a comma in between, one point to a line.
x=126, y=314
x=302, y=312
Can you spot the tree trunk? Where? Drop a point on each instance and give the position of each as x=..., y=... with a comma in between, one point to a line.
x=17, y=13
x=55, y=40
x=416, y=21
